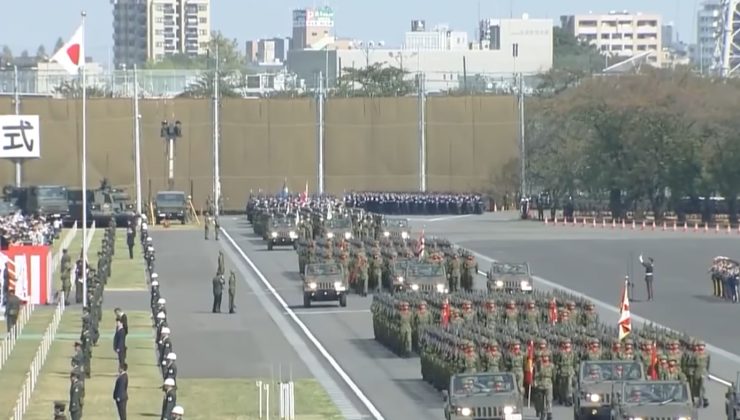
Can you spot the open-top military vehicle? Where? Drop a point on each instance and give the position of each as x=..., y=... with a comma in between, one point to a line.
x=324, y=282
x=395, y=228
x=422, y=277
x=485, y=396
x=598, y=384
x=655, y=400
x=282, y=232
x=338, y=227
x=510, y=277
x=396, y=276
x=732, y=400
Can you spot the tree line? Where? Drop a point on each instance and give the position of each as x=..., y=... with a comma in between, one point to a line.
x=648, y=139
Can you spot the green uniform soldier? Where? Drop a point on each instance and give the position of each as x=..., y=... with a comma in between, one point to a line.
x=87, y=352
x=515, y=364
x=221, y=267
x=404, y=329
x=66, y=273
x=216, y=226
x=421, y=317
x=362, y=275
x=697, y=370
x=492, y=357
x=469, y=359
x=565, y=369
x=218, y=289
x=232, y=292
x=377, y=271
x=543, y=377
x=76, y=396
x=454, y=270
x=207, y=225
x=78, y=358
x=672, y=373
x=12, y=310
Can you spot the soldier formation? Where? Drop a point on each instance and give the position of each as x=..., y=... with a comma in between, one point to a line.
x=724, y=274
x=417, y=203
x=541, y=338
x=166, y=356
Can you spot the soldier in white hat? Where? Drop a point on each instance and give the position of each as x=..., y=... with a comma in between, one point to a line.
x=165, y=347
x=177, y=413
x=170, y=398
x=170, y=368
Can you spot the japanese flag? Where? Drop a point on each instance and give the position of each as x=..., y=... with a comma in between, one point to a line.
x=625, y=320
x=72, y=55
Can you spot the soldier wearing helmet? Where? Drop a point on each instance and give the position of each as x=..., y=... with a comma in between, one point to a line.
x=454, y=270
x=566, y=363
x=589, y=318
x=405, y=329
x=467, y=311
x=514, y=363
x=697, y=368
x=489, y=314
x=543, y=384
x=594, y=350
x=511, y=314
x=615, y=352
x=530, y=315
x=492, y=359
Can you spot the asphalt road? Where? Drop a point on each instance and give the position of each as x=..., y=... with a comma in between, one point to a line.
x=393, y=385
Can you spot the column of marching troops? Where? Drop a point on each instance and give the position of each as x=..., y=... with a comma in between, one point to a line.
x=725, y=275
x=81, y=360
x=466, y=332
x=418, y=203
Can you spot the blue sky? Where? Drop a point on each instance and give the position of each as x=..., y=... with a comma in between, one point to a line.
x=29, y=23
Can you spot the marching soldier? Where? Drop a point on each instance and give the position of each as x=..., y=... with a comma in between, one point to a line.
x=454, y=270
x=697, y=370
x=543, y=385
x=66, y=272
x=207, y=225
x=232, y=292
x=565, y=369
x=218, y=289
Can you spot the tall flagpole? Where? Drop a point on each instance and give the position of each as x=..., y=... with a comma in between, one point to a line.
x=84, y=167
x=137, y=143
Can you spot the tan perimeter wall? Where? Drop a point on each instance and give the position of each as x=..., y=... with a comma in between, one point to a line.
x=370, y=144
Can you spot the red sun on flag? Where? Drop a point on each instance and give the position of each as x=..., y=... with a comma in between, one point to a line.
x=73, y=52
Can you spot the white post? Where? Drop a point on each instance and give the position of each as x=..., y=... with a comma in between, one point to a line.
x=422, y=134
x=259, y=388
x=267, y=401
x=171, y=163
x=17, y=106
x=137, y=142
x=84, y=172
x=320, y=133
x=216, y=141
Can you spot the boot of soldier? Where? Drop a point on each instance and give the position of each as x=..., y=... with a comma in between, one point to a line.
x=705, y=402
x=549, y=416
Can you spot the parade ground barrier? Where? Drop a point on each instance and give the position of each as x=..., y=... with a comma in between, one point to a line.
x=24, y=397
x=11, y=338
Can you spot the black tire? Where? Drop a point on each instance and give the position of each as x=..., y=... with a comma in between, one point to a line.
x=306, y=300
x=343, y=301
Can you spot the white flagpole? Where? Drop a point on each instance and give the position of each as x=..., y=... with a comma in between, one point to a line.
x=84, y=167
x=137, y=142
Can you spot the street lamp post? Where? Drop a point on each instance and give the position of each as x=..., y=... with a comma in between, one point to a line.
x=170, y=132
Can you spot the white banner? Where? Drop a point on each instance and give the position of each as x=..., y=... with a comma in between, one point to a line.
x=20, y=137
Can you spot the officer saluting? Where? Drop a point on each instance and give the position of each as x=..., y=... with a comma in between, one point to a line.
x=649, y=268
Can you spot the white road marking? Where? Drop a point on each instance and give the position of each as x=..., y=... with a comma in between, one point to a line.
x=733, y=357
x=330, y=312
x=437, y=219
x=329, y=358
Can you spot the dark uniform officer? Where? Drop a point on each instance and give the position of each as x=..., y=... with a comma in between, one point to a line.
x=76, y=396
x=170, y=367
x=130, y=241
x=121, y=316
x=165, y=347
x=120, y=391
x=119, y=343
x=232, y=292
x=649, y=268
x=66, y=273
x=218, y=289
x=12, y=309
x=170, y=398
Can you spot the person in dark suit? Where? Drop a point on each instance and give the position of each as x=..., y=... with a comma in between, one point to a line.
x=120, y=391
x=121, y=316
x=130, y=241
x=119, y=343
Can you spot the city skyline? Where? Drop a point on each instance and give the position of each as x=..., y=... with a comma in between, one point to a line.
x=377, y=21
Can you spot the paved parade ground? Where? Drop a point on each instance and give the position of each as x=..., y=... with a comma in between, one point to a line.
x=384, y=386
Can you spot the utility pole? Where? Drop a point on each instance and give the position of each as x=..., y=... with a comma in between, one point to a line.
x=216, y=139
x=420, y=82
x=17, y=106
x=522, y=142
x=321, y=101
x=170, y=132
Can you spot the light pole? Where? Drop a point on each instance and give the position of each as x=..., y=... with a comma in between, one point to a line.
x=169, y=132
x=368, y=47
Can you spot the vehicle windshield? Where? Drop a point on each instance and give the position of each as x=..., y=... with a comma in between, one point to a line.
x=513, y=269
x=120, y=197
x=655, y=392
x=51, y=193
x=316, y=270
x=424, y=270
x=396, y=223
x=173, y=199
x=341, y=223
x=482, y=383
x=283, y=222
x=611, y=371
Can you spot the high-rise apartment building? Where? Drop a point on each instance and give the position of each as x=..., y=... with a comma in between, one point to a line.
x=619, y=34
x=154, y=29
x=708, y=21
x=440, y=38
x=311, y=25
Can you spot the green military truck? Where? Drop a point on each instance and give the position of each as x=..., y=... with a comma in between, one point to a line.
x=170, y=205
x=324, y=282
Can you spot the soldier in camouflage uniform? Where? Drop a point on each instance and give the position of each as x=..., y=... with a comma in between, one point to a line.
x=697, y=367
x=492, y=360
x=543, y=377
x=511, y=314
x=566, y=363
x=515, y=364
x=489, y=316
x=454, y=271
x=672, y=372
x=421, y=318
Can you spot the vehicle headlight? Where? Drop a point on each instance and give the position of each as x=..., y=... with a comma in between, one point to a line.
x=596, y=398
x=386, y=234
x=465, y=411
x=508, y=410
x=274, y=234
x=414, y=287
x=404, y=235
x=683, y=418
x=525, y=285
x=400, y=279
x=499, y=283
x=330, y=235
x=312, y=285
x=640, y=418
x=338, y=285
x=441, y=288
x=161, y=214
x=347, y=235
x=293, y=235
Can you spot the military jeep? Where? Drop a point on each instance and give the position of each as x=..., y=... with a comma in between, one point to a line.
x=324, y=282
x=281, y=232
x=509, y=277
x=395, y=228
x=655, y=400
x=421, y=277
x=598, y=384
x=338, y=227
x=484, y=396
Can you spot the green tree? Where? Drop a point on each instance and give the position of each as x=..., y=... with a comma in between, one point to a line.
x=230, y=85
x=24, y=54
x=573, y=54
x=226, y=51
x=73, y=90
x=375, y=80
x=41, y=52
x=59, y=44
